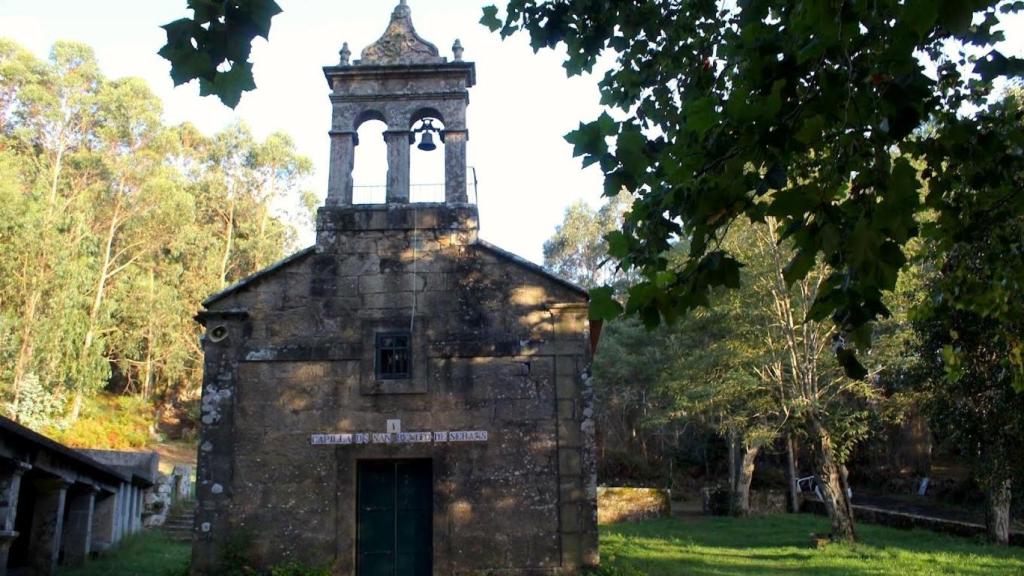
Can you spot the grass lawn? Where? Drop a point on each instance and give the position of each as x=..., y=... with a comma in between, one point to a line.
x=779, y=545
x=148, y=554
x=782, y=545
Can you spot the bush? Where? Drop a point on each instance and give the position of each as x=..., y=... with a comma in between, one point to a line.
x=109, y=422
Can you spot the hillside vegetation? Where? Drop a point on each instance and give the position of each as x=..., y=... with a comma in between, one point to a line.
x=115, y=226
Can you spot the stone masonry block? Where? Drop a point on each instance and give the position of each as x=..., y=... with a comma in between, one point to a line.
x=567, y=387
x=571, y=547
x=569, y=462
x=391, y=283
x=388, y=300
x=569, y=435
x=567, y=366
x=570, y=516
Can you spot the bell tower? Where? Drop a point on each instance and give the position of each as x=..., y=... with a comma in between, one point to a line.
x=403, y=81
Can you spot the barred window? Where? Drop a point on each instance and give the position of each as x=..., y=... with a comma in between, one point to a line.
x=394, y=355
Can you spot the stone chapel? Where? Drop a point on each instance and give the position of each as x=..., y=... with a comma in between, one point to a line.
x=401, y=398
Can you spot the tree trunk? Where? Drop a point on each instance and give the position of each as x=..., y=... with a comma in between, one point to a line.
x=997, y=514
x=25, y=351
x=229, y=238
x=837, y=505
x=734, y=455
x=740, y=501
x=97, y=306
x=792, y=472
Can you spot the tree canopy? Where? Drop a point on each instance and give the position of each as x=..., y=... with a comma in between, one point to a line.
x=811, y=112
x=115, y=225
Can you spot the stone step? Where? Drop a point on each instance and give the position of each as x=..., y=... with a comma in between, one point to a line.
x=181, y=516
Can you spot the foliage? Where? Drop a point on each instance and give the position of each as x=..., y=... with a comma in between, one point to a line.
x=782, y=545
x=214, y=45
x=965, y=377
x=978, y=238
x=790, y=109
x=108, y=420
x=115, y=227
x=39, y=406
x=577, y=251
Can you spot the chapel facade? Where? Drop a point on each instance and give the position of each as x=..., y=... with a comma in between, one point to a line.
x=403, y=398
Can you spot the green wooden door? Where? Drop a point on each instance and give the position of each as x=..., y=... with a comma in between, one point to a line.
x=395, y=518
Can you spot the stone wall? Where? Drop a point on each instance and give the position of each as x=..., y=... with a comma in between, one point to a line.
x=619, y=504
x=498, y=346
x=893, y=519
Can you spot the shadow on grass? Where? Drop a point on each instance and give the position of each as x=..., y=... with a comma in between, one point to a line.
x=145, y=554
x=782, y=545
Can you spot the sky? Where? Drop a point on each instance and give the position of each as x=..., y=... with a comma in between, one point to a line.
x=519, y=111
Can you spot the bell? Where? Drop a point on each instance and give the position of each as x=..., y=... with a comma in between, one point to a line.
x=427, y=142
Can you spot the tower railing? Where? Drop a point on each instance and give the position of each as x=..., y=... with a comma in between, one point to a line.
x=431, y=192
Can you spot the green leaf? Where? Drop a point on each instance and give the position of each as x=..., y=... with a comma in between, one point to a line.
x=261, y=12
x=799, y=266
x=630, y=149
x=490, y=18
x=207, y=10
x=810, y=131
x=228, y=86
x=921, y=15
x=848, y=360
x=955, y=15
x=603, y=305
x=700, y=115
x=618, y=244
x=187, y=64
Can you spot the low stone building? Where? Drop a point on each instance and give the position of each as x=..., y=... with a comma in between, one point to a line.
x=59, y=505
x=402, y=398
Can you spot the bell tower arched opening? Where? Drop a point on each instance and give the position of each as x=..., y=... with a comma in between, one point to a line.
x=370, y=166
x=427, y=160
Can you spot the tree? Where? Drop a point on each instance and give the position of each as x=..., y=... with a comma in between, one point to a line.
x=971, y=349
x=972, y=404
x=758, y=373
x=113, y=229
x=578, y=251
x=779, y=108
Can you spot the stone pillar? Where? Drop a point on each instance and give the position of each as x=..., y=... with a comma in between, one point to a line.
x=120, y=513
x=137, y=511
x=182, y=482
x=133, y=508
x=455, y=187
x=398, y=166
x=78, y=529
x=11, y=472
x=47, y=526
x=104, y=518
x=339, y=181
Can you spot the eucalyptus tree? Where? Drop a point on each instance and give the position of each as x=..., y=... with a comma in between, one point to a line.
x=48, y=122
x=577, y=250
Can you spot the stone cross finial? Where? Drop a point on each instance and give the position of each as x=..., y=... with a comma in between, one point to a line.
x=346, y=54
x=457, y=50
x=400, y=44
